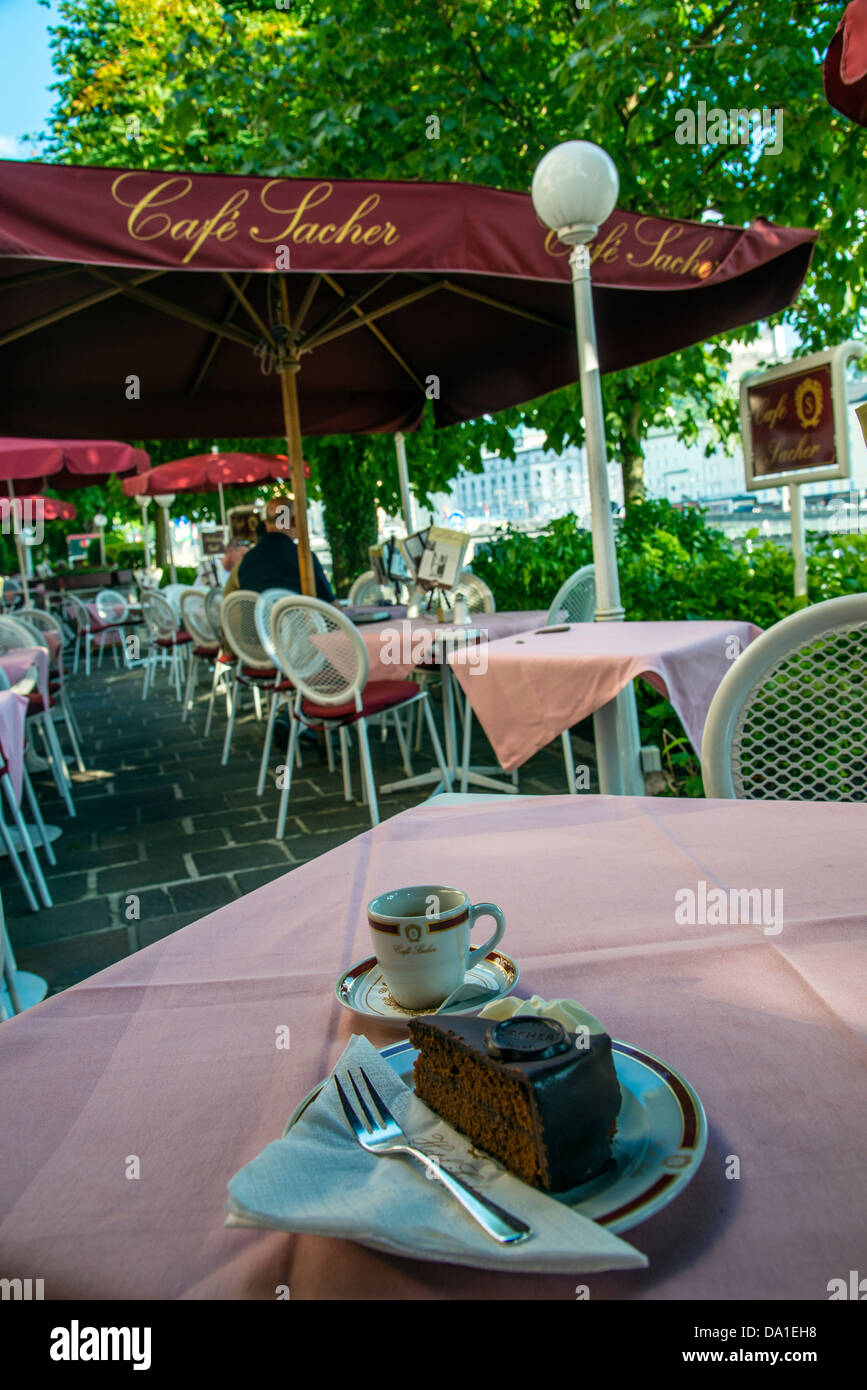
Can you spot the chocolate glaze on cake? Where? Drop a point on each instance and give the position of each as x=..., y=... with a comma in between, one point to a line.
x=541, y=1100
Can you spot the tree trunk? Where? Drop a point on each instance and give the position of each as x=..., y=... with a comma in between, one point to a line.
x=632, y=458
x=348, y=494
x=162, y=536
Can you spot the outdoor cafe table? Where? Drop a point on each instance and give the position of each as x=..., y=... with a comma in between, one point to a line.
x=396, y=649
x=170, y=1054
x=532, y=687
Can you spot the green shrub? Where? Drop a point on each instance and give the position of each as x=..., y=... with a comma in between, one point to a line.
x=673, y=565
x=119, y=555
x=186, y=575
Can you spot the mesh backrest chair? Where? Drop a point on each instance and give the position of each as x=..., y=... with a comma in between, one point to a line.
x=173, y=593
x=167, y=638
x=255, y=668
x=19, y=633
x=213, y=605
x=37, y=625
x=40, y=621
x=262, y=614
x=38, y=714
x=111, y=606
x=575, y=601
x=366, y=589
x=479, y=597
x=789, y=720
x=90, y=630
x=325, y=659
x=205, y=645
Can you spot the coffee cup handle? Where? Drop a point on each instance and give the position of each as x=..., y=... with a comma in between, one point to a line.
x=486, y=910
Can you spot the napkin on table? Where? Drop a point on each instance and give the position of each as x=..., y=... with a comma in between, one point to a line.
x=319, y=1180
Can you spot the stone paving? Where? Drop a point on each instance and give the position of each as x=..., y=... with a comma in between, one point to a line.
x=164, y=834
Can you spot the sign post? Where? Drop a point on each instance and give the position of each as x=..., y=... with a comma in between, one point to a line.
x=795, y=430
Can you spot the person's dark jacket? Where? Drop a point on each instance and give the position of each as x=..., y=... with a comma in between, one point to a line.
x=273, y=564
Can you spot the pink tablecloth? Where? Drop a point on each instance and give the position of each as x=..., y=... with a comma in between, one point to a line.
x=17, y=663
x=13, y=709
x=395, y=648
x=533, y=687
x=170, y=1054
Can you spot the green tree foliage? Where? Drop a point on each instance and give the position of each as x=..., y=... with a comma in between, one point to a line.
x=349, y=87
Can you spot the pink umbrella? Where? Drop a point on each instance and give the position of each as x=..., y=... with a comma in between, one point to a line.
x=845, y=67
x=210, y=473
x=63, y=463
x=46, y=508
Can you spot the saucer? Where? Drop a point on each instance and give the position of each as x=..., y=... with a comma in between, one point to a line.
x=363, y=990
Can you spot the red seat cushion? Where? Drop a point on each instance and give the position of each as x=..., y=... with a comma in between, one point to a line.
x=375, y=697
x=205, y=651
x=258, y=673
x=35, y=703
x=175, y=641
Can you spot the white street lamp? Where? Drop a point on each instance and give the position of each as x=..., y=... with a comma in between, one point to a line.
x=574, y=191
x=100, y=522
x=165, y=500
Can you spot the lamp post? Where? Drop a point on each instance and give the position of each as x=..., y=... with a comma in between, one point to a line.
x=574, y=191
x=100, y=521
x=144, y=503
x=165, y=500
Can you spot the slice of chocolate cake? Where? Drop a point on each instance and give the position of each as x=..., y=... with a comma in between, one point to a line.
x=541, y=1100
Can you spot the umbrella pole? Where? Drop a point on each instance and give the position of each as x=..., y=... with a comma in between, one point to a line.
x=292, y=424
x=19, y=546
x=403, y=478
x=222, y=505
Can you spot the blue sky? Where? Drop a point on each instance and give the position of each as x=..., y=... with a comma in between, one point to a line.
x=25, y=74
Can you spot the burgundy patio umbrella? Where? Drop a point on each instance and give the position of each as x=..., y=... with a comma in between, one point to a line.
x=845, y=67
x=210, y=473
x=48, y=508
x=360, y=300
x=62, y=464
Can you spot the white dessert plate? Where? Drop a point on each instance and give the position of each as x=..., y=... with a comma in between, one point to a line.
x=363, y=990
x=660, y=1141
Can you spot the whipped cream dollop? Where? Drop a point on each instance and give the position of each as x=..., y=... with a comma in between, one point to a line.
x=568, y=1012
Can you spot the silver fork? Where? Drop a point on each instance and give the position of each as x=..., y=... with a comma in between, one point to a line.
x=385, y=1136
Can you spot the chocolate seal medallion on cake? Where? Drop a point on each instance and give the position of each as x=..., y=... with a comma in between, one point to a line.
x=526, y=1039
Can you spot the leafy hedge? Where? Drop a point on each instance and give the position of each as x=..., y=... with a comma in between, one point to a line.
x=672, y=564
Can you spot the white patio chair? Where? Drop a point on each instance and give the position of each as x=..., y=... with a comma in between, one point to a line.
x=113, y=611
x=366, y=589
x=789, y=720
x=254, y=670
x=30, y=626
x=24, y=837
x=8, y=973
x=88, y=630
x=574, y=602
x=479, y=596
x=39, y=717
x=167, y=639
x=324, y=657
x=265, y=604
x=173, y=593
x=205, y=647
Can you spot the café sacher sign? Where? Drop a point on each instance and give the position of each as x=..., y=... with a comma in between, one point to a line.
x=222, y=222
x=794, y=420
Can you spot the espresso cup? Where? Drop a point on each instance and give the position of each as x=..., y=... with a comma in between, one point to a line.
x=421, y=937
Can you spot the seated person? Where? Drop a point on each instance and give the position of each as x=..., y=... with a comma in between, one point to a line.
x=273, y=561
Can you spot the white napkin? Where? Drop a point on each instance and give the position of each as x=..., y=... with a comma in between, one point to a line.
x=319, y=1180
